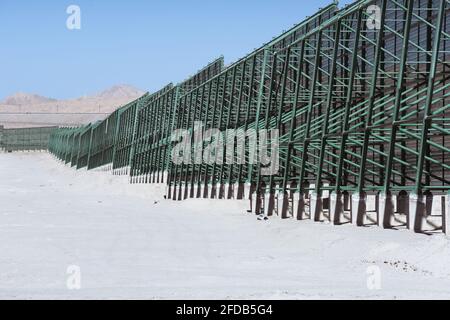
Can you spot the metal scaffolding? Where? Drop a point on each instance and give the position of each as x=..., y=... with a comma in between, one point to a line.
x=359, y=98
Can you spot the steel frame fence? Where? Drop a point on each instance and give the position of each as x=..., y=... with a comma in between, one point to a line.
x=25, y=139
x=359, y=96
x=1, y=136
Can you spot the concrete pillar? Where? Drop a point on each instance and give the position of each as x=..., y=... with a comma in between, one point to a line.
x=240, y=191
x=192, y=190
x=325, y=195
x=214, y=191
x=446, y=216
x=217, y=191
x=222, y=191
x=347, y=202
x=274, y=201
x=230, y=191
x=181, y=189
x=394, y=203
x=386, y=210
x=315, y=204
x=250, y=209
x=205, y=191
x=301, y=207
x=359, y=208
x=336, y=207
x=416, y=212
x=198, y=192
x=186, y=191
x=375, y=202
x=285, y=205
x=290, y=207
x=278, y=203
x=428, y=204
x=168, y=191
x=295, y=201
x=403, y=202
x=253, y=201
x=171, y=193
x=180, y=192
x=248, y=190
x=270, y=206
x=235, y=190
x=259, y=198
x=174, y=192
x=266, y=203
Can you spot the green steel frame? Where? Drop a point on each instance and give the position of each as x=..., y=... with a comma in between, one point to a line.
x=25, y=139
x=360, y=101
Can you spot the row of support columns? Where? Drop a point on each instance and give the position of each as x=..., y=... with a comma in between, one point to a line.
x=421, y=213
x=425, y=212
x=217, y=190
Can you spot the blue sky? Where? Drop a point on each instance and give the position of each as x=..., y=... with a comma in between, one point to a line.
x=143, y=43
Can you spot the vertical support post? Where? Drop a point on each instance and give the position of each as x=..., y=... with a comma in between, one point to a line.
x=285, y=195
x=214, y=191
x=285, y=199
x=227, y=126
x=417, y=212
x=187, y=144
x=90, y=148
x=116, y=136
x=259, y=191
x=360, y=197
x=386, y=203
x=335, y=211
x=356, y=201
x=232, y=189
x=181, y=110
x=446, y=216
x=170, y=169
x=193, y=176
x=306, y=136
x=205, y=121
x=259, y=103
x=241, y=188
x=211, y=126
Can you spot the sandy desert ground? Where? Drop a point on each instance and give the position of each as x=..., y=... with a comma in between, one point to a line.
x=128, y=242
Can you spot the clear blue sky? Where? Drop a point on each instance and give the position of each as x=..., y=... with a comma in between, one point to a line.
x=143, y=43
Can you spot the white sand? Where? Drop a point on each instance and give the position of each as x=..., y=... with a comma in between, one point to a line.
x=126, y=246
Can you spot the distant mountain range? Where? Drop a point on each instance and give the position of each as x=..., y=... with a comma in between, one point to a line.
x=27, y=109
x=22, y=98
x=120, y=92
x=117, y=93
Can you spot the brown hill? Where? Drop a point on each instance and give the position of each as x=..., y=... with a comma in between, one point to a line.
x=23, y=109
x=22, y=98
